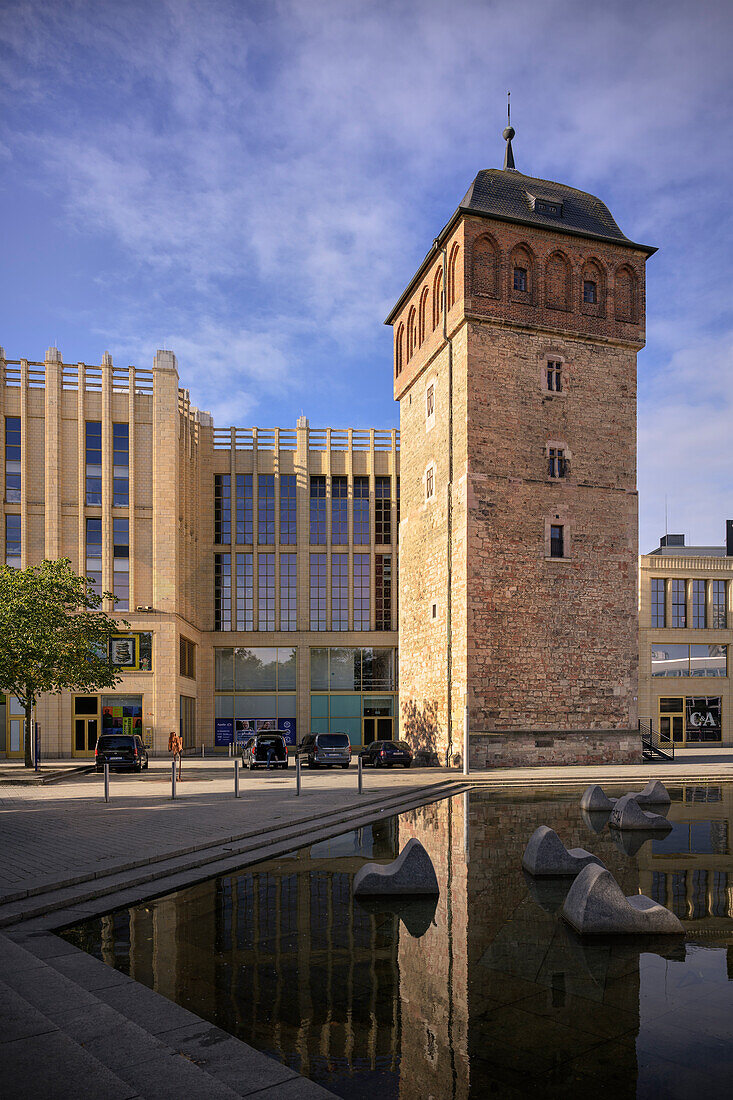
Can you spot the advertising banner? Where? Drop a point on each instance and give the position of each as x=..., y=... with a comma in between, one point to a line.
x=223, y=731
x=703, y=717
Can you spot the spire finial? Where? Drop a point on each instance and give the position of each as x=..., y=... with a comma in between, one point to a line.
x=508, y=134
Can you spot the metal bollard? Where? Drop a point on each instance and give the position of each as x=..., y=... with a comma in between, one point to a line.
x=202, y=752
x=106, y=782
x=297, y=774
x=236, y=779
x=361, y=774
x=230, y=750
x=173, y=779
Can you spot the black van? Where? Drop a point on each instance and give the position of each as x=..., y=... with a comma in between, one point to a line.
x=122, y=751
x=326, y=750
x=265, y=750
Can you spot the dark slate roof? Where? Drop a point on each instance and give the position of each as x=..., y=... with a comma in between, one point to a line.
x=501, y=193
x=690, y=551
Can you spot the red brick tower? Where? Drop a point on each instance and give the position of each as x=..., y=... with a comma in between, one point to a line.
x=518, y=539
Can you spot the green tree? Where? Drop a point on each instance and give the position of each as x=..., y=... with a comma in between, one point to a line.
x=53, y=636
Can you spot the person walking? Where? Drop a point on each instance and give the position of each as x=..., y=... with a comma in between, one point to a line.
x=175, y=747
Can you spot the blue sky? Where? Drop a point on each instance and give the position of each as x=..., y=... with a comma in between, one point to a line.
x=253, y=183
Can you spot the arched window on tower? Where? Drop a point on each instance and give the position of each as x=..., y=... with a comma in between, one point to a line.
x=399, y=351
x=557, y=281
x=411, y=333
x=593, y=288
x=522, y=275
x=438, y=296
x=485, y=267
x=452, y=275
x=422, y=315
x=625, y=294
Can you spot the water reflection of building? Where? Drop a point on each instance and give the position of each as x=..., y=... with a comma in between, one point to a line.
x=689, y=870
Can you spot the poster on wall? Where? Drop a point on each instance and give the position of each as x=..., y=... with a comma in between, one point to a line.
x=223, y=731
x=702, y=717
x=244, y=728
x=122, y=652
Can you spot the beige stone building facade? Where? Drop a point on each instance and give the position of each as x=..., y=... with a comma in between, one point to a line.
x=515, y=351
x=685, y=638
x=256, y=568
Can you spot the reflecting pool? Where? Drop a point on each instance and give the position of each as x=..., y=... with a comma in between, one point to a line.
x=487, y=992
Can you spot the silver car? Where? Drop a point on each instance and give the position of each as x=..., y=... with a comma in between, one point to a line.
x=326, y=750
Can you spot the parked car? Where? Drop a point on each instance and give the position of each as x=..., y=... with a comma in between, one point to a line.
x=326, y=750
x=384, y=754
x=122, y=751
x=264, y=747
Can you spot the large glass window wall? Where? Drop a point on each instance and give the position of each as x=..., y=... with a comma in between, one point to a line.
x=288, y=509
x=361, y=511
x=339, y=511
x=244, y=509
x=318, y=511
x=12, y=459
x=13, y=541
x=353, y=692
x=255, y=691
x=121, y=465
x=266, y=509
x=681, y=659
x=93, y=458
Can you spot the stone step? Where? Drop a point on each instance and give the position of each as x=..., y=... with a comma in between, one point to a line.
x=216, y=858
x=127, y=1038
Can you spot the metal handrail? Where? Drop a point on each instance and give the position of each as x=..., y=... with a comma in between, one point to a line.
x=653, y=742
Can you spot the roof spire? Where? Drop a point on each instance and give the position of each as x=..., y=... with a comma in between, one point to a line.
x=508, y=134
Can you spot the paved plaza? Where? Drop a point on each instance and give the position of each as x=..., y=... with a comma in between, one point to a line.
x=67, y=855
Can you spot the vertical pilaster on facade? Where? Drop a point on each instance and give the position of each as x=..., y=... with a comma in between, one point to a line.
x=393, y=475
x=233, y=567
x=329, y=506
x=303, y=522
x=350, y=522
x=255, y=532
x=372, y=533
x=52, y=412
x=276, y=548
x=131, y=472
x=166, y=491
x=107, y=575
x=25, y=555
x=2, y=445
x=81, y=469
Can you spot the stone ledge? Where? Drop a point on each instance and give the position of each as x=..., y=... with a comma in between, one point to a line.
x=530, y=748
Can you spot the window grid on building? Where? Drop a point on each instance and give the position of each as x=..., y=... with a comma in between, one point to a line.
x=244, y=509
x=13, y=541
x=430, y=401
x=12, y=459
x=659, y=606
x=222, y=509
x=340, y=592
x=361, y=592
x=383, y=591
x=288, y=592
x=188, y=721
x=361, y=511
x=679, y=602
x=339, y=511
x=266, y=509
x=520, y=278
x=318, y=593
x=554, y=376
x=121, y=465
x=430, y=483
x=187, y=658
x=93, y=460
x=699, y=609
x=318, y=510
x=719, y=609
x=94, y=553
x=382, y=510
x=590, y=291
x=288, y=509
x=245, y=592
x=266, y=592
x=222, y=592
x=121, y=562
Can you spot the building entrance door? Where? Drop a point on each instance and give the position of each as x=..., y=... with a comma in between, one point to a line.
x=672, y=721
x=86, y=724
x=378, y=722
x=12, y=719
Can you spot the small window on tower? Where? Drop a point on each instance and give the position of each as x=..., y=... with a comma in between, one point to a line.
x=557, y=462
x=557, y=541
x=590, y=291
x=520, y=278
x=554, y=376
x=430, y=483
x=430, y=401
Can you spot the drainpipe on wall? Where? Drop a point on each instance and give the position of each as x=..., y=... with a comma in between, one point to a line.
x=449, y=600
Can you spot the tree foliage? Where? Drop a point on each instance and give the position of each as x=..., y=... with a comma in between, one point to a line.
x=53, y=635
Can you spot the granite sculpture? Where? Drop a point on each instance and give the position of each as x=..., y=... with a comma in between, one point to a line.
x=546, y=854
x=411, y=873
x=628, y=814
x=594, y=799
x=596, y=905
x=654, y=794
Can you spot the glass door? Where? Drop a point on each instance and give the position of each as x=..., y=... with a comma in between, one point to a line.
x=672, y=721
x=86, y=724
x=13, y=719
